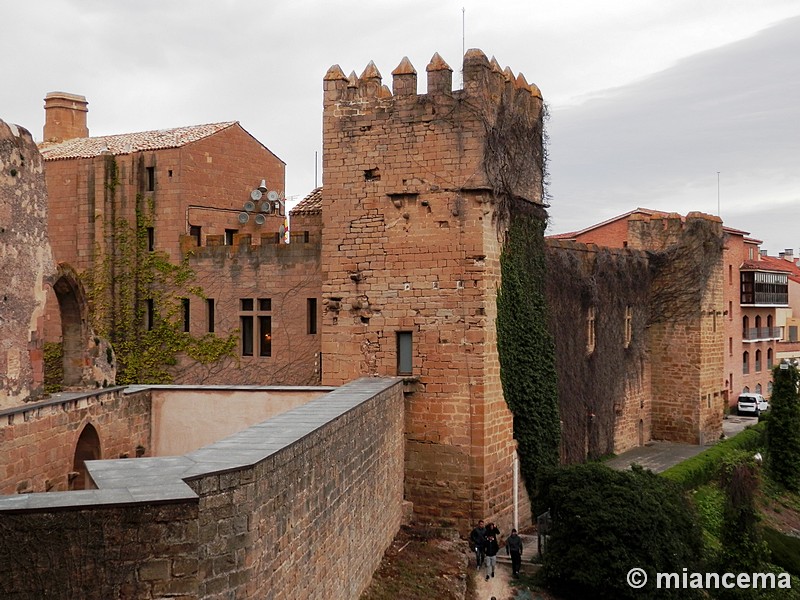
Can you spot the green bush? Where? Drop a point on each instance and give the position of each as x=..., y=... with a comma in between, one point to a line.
x=606, y=522
x=785, y=550
x=783, y=428
x=702, y=468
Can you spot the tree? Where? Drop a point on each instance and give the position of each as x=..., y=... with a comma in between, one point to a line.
x=606, y=522
x=783, y=427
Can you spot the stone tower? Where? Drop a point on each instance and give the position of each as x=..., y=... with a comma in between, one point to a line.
x=414, y=186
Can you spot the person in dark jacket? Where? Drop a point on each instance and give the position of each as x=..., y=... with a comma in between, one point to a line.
x=490, y=550
x=514, y=549
x=476, y=538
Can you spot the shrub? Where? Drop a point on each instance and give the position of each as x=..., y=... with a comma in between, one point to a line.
x=606, y=522
x=785, y=550
x=783, y=428
x=702, y=468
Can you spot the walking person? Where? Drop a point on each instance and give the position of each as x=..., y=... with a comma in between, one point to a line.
x=490, y=550
x=477, y=537
x=514, y=549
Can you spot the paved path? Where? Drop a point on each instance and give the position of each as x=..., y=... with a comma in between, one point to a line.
x=660, y=456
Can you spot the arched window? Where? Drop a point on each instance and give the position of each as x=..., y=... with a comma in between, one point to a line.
x=769, y=321
x=769, y=387
x=769, y=358
x=758, y=388
x=590, y=331
x=758, y=361
x=746, y=389
x=746, y=363
x=87, y=448
x=758, y=321
x=745, y=327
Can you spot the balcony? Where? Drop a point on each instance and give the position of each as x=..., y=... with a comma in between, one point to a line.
x=760, y=334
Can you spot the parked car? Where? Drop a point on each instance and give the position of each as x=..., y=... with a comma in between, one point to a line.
x=751, y=404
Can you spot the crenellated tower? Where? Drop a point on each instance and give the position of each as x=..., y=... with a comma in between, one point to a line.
x=415, y=198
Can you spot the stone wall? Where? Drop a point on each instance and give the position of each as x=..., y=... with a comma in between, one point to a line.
x=26, y=265
x=410, y=248
x=301, y=505
x=686, y=350
x=39, y=440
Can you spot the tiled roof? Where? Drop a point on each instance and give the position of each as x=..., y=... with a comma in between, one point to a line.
x=781, y=264
x=310, y=205
x=765, y=265
x=127, y=143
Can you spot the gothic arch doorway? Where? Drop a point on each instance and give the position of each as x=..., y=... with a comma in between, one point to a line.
x=87, y=448
x=74, y=328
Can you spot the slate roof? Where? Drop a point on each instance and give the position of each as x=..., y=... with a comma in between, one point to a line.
x=127, y=143
x=310, y=205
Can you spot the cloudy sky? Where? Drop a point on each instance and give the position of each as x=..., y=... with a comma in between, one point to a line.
x=649, y=99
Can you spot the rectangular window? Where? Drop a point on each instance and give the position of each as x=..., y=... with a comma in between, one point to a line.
x=210, y=309
x=246, y=327
x=404, y=353
x=185, y=306
x=194, y=231
x=265, y=304
x=150, y=314
x=311, y=312
x=229, y=236
x=151, y=178
x=151, y=239
x=246, y=304
x=265, y=335
x=792, y=333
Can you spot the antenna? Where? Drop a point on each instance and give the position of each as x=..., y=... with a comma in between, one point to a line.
x=315, y=170
x=463, y=41
x=718, y=214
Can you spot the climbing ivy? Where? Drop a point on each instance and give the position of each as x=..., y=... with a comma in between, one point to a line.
x=126, y=275
x=53, y=367
x=525, y=346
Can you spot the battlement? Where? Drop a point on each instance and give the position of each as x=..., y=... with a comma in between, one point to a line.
x=302, y=243
x=592, y=249
x=483, y=79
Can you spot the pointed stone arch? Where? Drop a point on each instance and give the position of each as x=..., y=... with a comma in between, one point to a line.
x=86, y=448
x=74, y=311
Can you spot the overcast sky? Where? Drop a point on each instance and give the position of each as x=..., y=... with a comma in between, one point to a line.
x=649, y=99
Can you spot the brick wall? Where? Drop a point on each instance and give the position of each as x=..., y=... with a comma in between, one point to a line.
x=26, y=265
x=409, y=245
x=39, y=440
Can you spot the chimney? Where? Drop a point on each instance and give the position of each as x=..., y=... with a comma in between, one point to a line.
x=763, y=252
x=788, y=253
x=64, y=117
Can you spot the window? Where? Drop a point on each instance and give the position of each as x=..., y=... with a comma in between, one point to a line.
x=246, y=327
x=150, y=174
x=264, y=335
x=149, y=314
x=769, y=387
x=745, y=327
x=730, y=310
x=194, y=231
x=769, y=358
x=210, y=314
x=758, y=388
x=590, y=331
x=730, y=274
x=758, y=361
x=311, y=313
x=792, y=333
x=758, y=322
x=730, y=346
x=746, y=363
x=746, y=389
x=246, y=304
x=185, y=306
x=229, y=236
x=265, y=304
x=404, y=353
x=151, y=239
x=628, y=325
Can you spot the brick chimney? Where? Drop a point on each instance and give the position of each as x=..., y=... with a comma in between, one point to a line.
x=64, y=117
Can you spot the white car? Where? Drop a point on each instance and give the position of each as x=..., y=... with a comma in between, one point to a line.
x=751, y=404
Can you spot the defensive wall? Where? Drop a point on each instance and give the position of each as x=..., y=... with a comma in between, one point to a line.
x=605, y=399
x=300, y=505
x=410, y=263
x=26, y=265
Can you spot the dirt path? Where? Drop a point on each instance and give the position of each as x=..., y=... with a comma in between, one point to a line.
x=497, y=586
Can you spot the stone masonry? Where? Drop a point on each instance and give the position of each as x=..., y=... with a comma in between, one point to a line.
x=410, y=262
x=26, y=265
